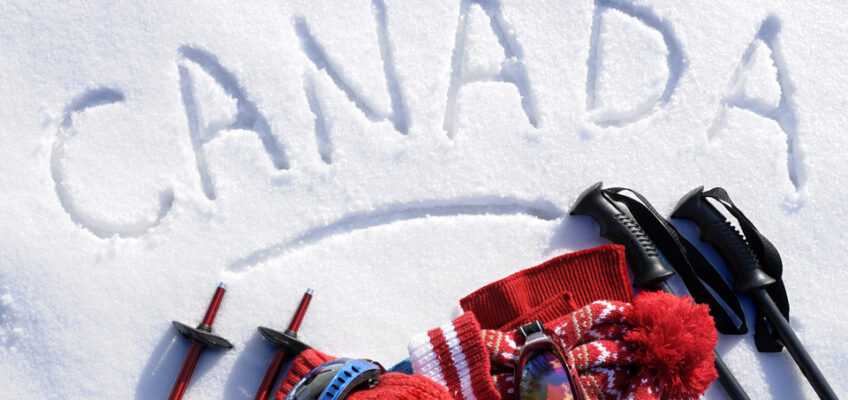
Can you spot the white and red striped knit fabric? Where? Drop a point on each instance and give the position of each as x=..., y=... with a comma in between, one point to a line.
x=461, y=357
x=454, y=356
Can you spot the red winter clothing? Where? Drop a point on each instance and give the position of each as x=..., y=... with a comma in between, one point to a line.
x=398, y=386
x=305, y=362
x=552, y=289
x=658, y=347
x=393, y=386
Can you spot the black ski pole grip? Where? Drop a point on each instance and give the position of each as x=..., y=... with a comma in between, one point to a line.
x=620, y=228
x=748, y=276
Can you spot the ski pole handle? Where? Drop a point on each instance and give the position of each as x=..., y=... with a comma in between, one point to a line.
x=619, y=227
x=748, y=276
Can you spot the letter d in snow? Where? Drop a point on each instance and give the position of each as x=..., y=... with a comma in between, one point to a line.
x=635, y=62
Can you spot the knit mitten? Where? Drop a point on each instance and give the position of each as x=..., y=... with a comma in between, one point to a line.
x=399, y=386
x=658, y=347
x=552, y=289
x=305, y=362
x=455, y=357
x=392, y=386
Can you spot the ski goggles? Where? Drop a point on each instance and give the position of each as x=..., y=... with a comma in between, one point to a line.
x=543, y=371
x=335, y=379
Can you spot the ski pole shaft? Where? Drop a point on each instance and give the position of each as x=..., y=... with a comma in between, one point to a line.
x=726, y=378
x=300, y=312
x=270, y=376
x=264, y=390
x=201, y=337
x=181, y=384
x=214, y=305
x=793, y=345
x=727, y=381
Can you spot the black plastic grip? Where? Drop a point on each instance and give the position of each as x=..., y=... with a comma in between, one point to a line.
x=620, y=228
x=716, y=230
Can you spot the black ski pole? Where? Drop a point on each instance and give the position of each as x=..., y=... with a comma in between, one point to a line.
x=748, y=278
x=726, y=379
x=649, y=271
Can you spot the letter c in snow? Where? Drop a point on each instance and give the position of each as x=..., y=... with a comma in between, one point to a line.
x=94, y=98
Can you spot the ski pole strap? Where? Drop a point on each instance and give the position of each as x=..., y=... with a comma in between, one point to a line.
x=701, y=279
x=765, y=339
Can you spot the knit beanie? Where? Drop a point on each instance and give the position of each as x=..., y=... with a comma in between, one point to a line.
x=552, y=289
x=393, y=385
x=660, y=346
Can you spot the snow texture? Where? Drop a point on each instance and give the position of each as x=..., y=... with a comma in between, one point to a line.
x=392, y=155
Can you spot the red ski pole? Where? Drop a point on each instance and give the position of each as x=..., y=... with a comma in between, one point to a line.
x=200, y=337
x=286, y=343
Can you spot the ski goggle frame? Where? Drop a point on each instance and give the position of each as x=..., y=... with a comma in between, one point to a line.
x=543, y=371
x=334, y=380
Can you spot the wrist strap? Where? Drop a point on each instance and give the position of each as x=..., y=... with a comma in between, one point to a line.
x=765, y=339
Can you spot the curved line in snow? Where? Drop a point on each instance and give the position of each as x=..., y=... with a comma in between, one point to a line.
x=543, y=210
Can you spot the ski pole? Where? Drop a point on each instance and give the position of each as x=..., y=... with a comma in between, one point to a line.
x=726, y=378
x=286, y=344
x=749, y=278
x=200, y=337
x=649, y=271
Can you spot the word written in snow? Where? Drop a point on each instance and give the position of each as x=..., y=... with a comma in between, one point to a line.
x=248, y=116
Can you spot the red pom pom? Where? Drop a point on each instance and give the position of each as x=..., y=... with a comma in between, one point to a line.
x=674, y=340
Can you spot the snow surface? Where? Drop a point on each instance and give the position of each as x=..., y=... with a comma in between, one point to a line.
x=392, y=155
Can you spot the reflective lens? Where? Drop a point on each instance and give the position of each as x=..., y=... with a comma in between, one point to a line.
x=544, y=378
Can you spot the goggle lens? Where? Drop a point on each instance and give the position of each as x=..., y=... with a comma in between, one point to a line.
x=545, y=378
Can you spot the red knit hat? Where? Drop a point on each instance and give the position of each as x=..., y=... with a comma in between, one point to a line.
x=393, y=385
x=658, y=347
x=551, y=289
